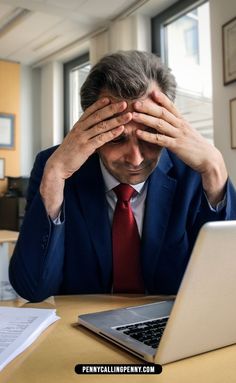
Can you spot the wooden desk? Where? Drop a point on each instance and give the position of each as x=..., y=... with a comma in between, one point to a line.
x=53, y=356
x=7, y=242
x=8, y=236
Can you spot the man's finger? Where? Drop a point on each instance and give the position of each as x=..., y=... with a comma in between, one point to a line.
x=153, y=109
x=103, y=138
x=164, y=101
x=155, y=123
x=105, y=126
x=157, y=139
x=103, y=114
x=96, y=106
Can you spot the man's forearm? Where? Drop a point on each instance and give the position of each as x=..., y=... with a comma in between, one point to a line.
x=52, y=191
x=36, y=267
x=214, y=180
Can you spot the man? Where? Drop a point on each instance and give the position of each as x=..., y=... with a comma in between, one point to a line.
x=130, y=133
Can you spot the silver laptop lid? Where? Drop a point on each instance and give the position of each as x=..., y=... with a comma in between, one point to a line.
x=203, y=317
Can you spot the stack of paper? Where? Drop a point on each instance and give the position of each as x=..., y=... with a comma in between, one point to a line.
x=19, y=327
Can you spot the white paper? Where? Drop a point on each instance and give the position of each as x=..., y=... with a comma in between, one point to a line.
x=19, y=327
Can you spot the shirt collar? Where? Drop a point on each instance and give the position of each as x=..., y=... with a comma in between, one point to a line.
x=111, y=182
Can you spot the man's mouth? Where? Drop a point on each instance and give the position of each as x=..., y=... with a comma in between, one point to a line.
x=136, y=170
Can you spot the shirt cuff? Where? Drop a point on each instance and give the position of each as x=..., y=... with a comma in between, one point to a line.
x=57, y=220
x=219, y=207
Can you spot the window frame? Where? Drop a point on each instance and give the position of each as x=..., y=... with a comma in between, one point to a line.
x=68, y=67
x=166, y=17
x=158, y=24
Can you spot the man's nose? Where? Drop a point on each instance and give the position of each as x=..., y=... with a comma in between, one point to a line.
x=134, y=154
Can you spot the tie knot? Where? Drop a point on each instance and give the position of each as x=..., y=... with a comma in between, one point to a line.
x=124, y=192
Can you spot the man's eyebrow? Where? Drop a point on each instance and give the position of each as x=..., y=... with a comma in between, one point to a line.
x=121, y=137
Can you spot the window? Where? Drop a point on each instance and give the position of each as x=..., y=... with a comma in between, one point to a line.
x=181, y=36
x=75, y=73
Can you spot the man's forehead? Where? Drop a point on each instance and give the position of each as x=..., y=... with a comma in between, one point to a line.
x=106, y=93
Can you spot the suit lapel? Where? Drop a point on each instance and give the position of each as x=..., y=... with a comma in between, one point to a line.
x=158, y=207
x=91, y=193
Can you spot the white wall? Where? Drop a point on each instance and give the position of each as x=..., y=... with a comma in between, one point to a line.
x=133, y=32
x=220, y=13
x=98, y=46
x=30, y=117
x=51, y=104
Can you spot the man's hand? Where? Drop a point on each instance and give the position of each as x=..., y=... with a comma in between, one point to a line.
x=176, y=134
x=100, y=123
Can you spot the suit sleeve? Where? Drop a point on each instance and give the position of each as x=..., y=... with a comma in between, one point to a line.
x=230, y=210
x=226, y=213
x=36, y=267
x=205, y=214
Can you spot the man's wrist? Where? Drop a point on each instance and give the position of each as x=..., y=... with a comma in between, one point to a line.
x=219, y=206
x=52, y=190
x=58, y=220
x=214, y=181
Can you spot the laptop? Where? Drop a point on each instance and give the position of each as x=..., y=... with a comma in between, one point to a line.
x=201, y=318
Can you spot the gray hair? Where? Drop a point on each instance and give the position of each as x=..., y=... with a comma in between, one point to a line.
x=127, y=75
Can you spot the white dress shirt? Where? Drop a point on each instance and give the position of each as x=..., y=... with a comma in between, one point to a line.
x=137, y=203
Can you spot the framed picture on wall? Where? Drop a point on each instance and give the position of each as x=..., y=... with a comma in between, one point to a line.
x=2, y=168
x=7, y=122
x=229, y=51
x=233, y=122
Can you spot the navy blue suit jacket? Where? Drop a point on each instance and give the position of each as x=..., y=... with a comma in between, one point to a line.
x=76, y=256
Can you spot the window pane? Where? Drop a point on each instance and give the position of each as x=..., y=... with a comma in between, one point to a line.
x=188, y=54
x=77, y=77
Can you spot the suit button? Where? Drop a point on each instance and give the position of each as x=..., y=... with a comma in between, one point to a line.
x=45, y=238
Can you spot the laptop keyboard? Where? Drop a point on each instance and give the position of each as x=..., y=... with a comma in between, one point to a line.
x=148, y=332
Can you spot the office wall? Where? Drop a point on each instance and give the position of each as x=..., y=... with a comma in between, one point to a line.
x=20, y=93
x=133, y=32
x=41, y=111
x=221, y=12
x=10, y=103
x=30, y=142
x=51, y=104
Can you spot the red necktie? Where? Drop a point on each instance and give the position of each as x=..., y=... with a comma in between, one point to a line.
x=127, y=276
